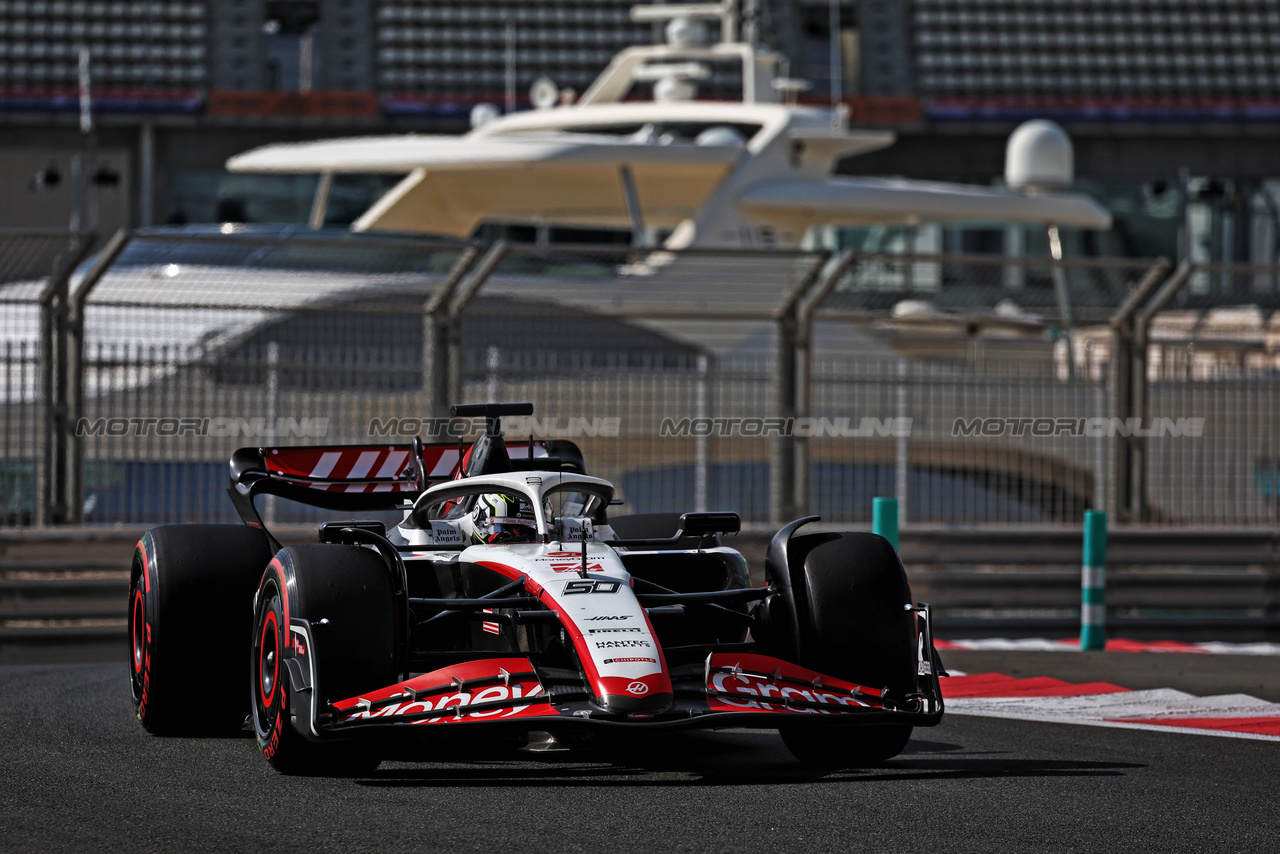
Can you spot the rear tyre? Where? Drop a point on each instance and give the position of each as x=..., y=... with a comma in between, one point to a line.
x=850, y=594
x=190, y=611
x=354, y=651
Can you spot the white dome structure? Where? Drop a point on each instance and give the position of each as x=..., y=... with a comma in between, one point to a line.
x=1039, y=157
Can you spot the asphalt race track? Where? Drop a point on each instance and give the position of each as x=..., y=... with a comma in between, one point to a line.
x=80, y=774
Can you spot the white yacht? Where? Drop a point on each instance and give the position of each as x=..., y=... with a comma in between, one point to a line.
x=676, y=171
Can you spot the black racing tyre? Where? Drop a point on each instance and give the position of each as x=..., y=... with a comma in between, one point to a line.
x=190, y=611
x=353, y=651
x=850, y=596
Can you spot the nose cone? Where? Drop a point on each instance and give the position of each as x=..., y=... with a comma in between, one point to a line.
x=628, y=704
x=643, y=695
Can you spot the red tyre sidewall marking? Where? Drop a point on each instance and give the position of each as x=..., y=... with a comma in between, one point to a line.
x=269, y=621
x=270, y=742
x=142, y=595
x=276, y=569
x=137, y=635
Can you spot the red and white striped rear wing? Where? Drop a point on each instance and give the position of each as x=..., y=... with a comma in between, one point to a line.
x=347, y=477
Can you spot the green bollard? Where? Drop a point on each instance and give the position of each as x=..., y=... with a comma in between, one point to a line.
x=1093, y=582
x=884, y=519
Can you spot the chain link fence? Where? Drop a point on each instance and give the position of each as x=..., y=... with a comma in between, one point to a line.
x=195, y=345
x=34, y=271
x=979, y=391
x=1215, y=354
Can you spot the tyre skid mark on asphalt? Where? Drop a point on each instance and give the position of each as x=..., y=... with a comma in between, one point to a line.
x=1050, y=700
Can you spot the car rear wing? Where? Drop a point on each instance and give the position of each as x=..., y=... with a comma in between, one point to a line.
x=366, y=477
x=340, y=471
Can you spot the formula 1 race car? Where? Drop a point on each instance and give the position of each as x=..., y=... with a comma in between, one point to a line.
x=507, y=602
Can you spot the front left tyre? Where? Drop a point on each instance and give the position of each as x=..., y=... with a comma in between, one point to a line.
x=342, y=595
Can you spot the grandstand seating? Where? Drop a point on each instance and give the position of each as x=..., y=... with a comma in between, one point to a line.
x=1119, y=58
x=143, y=54
x=446, y=56
x=457, y=51
x=1127, y=59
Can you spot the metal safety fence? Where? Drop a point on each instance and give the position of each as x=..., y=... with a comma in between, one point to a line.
x=978, y=390
x=35, y=269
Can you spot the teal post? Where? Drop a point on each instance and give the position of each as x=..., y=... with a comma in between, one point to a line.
x=1093, y=582
x=884, y=519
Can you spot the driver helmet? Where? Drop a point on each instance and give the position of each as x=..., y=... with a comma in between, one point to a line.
x=500, y=517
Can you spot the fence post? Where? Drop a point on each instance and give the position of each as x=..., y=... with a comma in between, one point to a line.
x=1139, y=395
x=806, y=310
x=458, y=307
x=884, y=519
x=782, y=460
x=1093, y=582
x=75, y=371
x=435, y=336
x=52, y=309
x=791, y=367
x=1127, y=382
x=53, y=461
x=702, y=443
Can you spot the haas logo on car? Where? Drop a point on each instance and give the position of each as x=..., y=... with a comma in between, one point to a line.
x=638, y=688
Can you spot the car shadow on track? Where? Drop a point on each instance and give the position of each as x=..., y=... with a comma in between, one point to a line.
x=714, y=759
